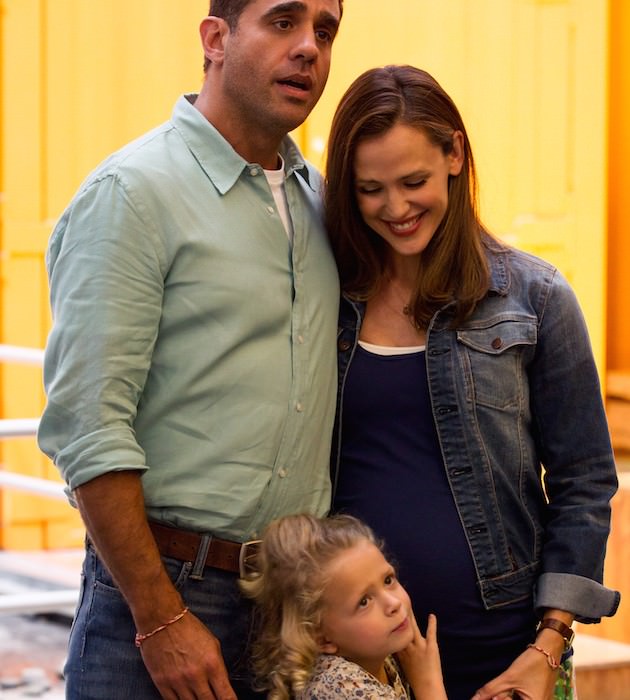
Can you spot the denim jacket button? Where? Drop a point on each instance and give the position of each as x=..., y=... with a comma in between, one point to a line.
x=497, y=343
x=344, y=345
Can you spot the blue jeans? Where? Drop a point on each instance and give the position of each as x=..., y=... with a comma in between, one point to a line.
x=103, y=662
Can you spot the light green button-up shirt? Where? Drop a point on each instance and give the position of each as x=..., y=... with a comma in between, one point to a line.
x=190, y=339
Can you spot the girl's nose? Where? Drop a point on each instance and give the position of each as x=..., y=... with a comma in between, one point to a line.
x=392, y=603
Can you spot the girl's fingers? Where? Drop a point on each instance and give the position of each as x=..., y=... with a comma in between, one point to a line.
x=432, y=628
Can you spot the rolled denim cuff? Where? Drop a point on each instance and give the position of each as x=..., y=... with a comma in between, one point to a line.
x=588, y=600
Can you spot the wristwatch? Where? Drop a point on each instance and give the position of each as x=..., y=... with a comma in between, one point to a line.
x=551, y=623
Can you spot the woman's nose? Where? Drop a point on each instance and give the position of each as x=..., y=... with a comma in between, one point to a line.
x=397, y=205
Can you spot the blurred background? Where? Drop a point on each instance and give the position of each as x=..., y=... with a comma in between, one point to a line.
x=543, y=87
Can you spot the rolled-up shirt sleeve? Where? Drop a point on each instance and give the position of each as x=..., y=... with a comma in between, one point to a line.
x=106, y=279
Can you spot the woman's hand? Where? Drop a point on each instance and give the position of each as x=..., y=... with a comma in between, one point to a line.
x=530, y=677
x=420, y=662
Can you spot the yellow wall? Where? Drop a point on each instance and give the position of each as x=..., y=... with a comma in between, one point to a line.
x=619, y=189
x=80, y=78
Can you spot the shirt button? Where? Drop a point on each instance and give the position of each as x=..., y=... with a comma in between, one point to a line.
x=253, y=172
x=300, y=339
x=344, y=345
x=497, y=343
x=282, y=473
x=271, y=210
x=298, y=407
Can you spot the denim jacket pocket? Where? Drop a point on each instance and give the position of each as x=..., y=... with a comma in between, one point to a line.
x=494, y=353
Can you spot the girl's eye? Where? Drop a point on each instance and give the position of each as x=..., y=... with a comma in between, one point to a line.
x=390, y=579
x=415, y=184
x=369, y=190
x=363, y=602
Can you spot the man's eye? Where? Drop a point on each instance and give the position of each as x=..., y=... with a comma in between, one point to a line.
x=363, y=602
x=324, y=36
x=283, y=24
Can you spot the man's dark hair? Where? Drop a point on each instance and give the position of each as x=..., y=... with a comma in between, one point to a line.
x=230, y=11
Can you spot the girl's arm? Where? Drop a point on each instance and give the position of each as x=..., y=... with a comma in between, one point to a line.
x=420, y=662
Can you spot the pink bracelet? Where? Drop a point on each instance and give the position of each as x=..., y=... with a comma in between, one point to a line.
x=141, y=637
x=550, y=659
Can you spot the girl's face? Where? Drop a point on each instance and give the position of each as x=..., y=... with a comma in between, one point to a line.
x=401, y=182
x=366, y=612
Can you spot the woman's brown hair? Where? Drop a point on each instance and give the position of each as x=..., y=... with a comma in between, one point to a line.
x=453, y=267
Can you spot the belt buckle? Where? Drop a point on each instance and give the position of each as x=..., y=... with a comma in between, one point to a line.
x=247, y=560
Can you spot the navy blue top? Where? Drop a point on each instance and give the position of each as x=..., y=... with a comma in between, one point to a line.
x=392, y=476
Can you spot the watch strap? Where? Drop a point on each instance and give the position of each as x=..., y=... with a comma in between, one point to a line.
x=553, y=624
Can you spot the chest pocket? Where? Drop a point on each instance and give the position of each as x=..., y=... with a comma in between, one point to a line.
x=494, y=358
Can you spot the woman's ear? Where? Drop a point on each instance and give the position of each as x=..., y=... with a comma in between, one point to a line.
x=456, y=156
x=214, y=32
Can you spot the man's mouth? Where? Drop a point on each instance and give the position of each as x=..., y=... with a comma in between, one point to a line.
x=297, y=82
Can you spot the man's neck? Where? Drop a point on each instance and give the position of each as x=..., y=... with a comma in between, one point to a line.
x=250, y=144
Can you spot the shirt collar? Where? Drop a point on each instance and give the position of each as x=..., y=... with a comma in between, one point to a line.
x=221, y=163
x=499, y=271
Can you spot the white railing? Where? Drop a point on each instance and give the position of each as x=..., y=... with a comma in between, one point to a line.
x=32, y=484
x=22, y=356
x=39, y=602
x=32, y=601
x=18, y=427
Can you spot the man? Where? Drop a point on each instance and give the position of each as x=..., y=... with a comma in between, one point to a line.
x=190, y=371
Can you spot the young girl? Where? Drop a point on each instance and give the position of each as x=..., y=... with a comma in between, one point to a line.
x=331, y=614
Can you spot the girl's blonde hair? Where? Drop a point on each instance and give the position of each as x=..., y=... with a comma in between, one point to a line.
x=288, y=588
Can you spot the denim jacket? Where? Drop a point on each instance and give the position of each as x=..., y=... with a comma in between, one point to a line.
x=518, y=409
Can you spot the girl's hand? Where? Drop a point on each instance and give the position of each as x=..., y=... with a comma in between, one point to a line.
x=420, y=662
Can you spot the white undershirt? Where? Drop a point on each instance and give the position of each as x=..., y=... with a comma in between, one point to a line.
x=390, y=350
x=275, y=178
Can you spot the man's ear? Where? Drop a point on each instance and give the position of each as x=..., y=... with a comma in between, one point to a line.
x=214, y=32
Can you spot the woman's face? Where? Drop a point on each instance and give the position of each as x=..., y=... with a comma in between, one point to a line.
x=401, y=185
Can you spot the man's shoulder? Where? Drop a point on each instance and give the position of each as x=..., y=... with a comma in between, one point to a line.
x=136, y=155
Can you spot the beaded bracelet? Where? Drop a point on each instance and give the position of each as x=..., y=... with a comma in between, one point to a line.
x=141, y=637
x=550, y=659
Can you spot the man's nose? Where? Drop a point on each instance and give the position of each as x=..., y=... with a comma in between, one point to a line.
x=306, y=47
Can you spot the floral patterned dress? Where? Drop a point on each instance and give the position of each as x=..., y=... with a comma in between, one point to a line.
x=336, y=678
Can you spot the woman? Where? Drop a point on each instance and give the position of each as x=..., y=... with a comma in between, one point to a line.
x=471, y=434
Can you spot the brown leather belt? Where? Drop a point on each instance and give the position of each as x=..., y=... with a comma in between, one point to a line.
x=222, y=554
